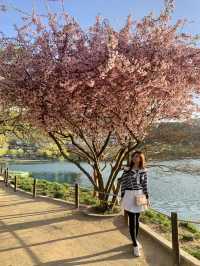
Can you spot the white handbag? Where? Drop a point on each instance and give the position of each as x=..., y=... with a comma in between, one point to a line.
x=140, y=199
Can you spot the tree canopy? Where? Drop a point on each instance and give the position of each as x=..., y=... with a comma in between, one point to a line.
x=101, y=83
x=100, y=80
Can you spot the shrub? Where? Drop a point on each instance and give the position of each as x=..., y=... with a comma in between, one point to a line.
x=190, y=227
x=187, y=237
x=57, y=190
x=59, y=194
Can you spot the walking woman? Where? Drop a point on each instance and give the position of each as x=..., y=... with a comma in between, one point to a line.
x=134, y=193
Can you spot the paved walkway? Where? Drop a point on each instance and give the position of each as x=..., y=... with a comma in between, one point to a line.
x=39, y=232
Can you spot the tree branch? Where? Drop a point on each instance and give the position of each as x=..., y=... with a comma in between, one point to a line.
x=76, y=145
x=71, y=160
x=104, y=145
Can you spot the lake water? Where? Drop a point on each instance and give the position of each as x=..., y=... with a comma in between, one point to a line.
x=169, y=191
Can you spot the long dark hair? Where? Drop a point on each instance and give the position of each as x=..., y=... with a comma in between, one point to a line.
x=142, y=160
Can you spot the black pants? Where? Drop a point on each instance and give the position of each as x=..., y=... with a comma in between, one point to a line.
x=134, y=226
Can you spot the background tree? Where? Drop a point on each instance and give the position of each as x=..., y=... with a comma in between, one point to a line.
x=100, y=89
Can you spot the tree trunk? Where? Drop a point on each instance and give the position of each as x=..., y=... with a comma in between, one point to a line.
x=96, y=180
x=115, y=199
x=129, y=154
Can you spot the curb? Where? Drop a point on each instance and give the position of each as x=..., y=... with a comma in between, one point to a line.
x=93, y=214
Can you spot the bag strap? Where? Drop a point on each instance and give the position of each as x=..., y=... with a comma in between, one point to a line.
x=137, y=173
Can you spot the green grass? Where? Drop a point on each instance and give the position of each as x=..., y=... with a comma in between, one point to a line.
x=190, y=227
x=194, y=251
x=86, y=197
x=150, y=216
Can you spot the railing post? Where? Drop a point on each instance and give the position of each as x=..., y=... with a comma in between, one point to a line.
x=7, y=176
x=77, y=195
x=175, y=241
x=15, y=184
x=4, y=176
x=34, y=187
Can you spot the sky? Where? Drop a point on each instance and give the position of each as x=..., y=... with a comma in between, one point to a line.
x=116, y=11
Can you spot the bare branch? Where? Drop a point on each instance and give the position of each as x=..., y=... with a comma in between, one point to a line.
x=104, y=145
x=71, y=160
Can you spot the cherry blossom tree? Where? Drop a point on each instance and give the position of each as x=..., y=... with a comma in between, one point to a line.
x=98, y=92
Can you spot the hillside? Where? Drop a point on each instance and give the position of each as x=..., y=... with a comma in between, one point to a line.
x=173, y=140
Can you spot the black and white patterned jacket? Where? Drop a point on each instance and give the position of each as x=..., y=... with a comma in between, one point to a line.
x=133, y=179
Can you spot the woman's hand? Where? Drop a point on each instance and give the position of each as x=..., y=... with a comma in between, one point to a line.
x=148, y=203
x=121, y=199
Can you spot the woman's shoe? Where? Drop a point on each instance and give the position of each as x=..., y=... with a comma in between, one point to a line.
x=136, y=251
x=138, y=244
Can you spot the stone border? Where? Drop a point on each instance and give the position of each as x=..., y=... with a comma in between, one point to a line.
x=88, y=212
